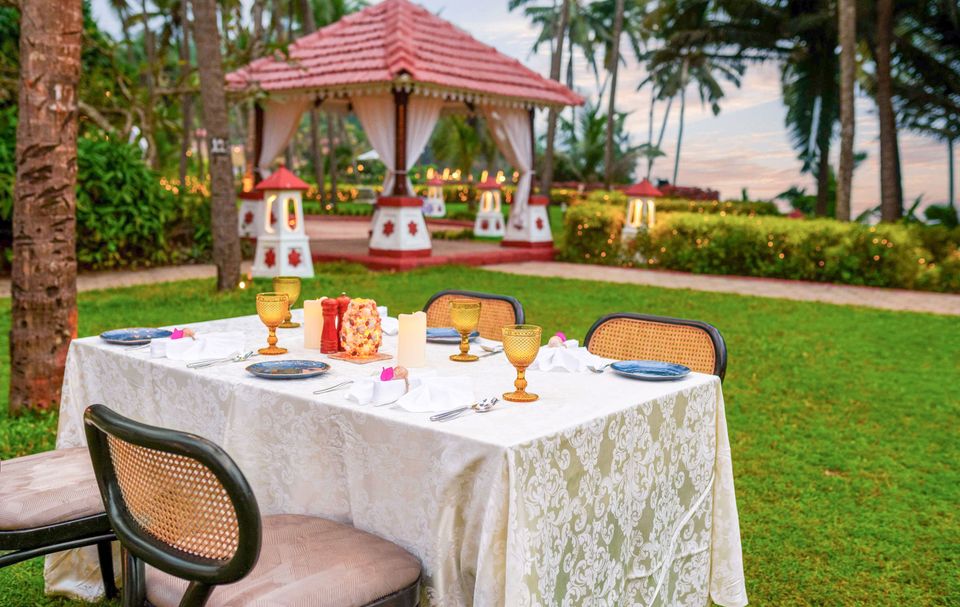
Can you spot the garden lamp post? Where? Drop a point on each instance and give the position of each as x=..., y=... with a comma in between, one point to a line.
x=641, y=208
x=489, y=220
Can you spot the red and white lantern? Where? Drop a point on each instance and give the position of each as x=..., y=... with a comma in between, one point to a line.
x=250, y=218
x=283, y=248
x=433, y=204
x=489, y=220
x=641, y=208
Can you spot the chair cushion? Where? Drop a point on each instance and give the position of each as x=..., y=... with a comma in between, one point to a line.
x=46, y=488
x=306, y=561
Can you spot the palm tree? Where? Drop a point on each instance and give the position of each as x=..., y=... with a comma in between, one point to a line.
x=459, y=141
x=584, y=146
x=44, y=268
x=559, y=31
x=223, y=209
x=847, y=19
x=891, y=199
x=613, y=68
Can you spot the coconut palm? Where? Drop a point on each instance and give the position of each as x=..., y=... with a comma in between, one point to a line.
x=44, y=268
x=891, y=194
x=584, y=142
x=847, y=27
x=458, y=141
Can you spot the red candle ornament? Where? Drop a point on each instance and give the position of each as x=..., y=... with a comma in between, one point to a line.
x=343, y=302
x=330, y=338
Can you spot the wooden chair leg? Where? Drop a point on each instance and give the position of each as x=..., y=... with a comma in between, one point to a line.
x=132, y=575
x=105, y=554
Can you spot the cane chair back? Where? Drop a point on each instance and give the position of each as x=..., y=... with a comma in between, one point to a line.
x=627, y=336
x=496, y=311
x=176, y=501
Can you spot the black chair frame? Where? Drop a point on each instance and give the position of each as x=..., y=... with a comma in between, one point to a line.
x=203, y=574
x=517, y=306
x=32, y=542
x=719, y=345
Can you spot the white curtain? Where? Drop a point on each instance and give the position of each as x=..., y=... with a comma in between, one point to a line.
x=510, y=128
x=280, y=121
x=376, y=115
x=422, y=116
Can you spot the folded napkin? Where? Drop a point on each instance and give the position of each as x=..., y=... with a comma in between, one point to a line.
x=206, y=345
x=389, y=326
x=373, y=391
x=438, y=394
x=569, y=358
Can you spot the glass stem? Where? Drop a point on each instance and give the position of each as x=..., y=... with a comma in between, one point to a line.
x=521, y=383
x=464, y=343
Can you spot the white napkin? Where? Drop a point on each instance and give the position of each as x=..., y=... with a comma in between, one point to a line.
x=438, y=394
x=208, y=345
x=569, y=358
x=370, y=390
x=389, y=326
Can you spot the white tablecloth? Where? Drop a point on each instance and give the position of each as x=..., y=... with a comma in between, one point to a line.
x=606, y=491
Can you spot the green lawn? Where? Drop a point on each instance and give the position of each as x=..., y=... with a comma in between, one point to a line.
x=843, y=422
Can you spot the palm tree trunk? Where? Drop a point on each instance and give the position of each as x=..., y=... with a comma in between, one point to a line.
x=44, y=270
x=148, y=130
x=823, y=179
x=316, y=151
x=676, y=158
x=256, y=46
x=663, y=129
x=555, y=63
x=613, y=68
x=186, y=100
x=223, y=208
x=847, y=10
x=891, y=203
x=331, y=144
x=951, y=192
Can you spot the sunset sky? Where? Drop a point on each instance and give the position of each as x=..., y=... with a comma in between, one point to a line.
x=745, y=146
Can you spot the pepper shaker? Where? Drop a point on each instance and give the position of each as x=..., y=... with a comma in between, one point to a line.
x=343, y=302
x=330, y=339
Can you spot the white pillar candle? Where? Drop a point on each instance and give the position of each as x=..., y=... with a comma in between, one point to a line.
x=312, y=323
x=412, y=349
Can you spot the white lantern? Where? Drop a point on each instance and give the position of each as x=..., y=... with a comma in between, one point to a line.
x=433, y=204
x=283, y=247
x=489, y=220
x=641, y=208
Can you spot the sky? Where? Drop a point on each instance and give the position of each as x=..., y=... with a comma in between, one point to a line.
x=745, y=146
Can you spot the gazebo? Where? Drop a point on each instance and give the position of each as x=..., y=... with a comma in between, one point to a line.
x=398, y=67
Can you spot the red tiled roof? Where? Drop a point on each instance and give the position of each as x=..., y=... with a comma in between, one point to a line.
x=384, y=42
x=282, y=179
x=643, y=189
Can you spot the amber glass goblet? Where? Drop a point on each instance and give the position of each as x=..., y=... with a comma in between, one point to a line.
x=465, y=316
x=521, y=343
x=272, y=309
x=291, y=286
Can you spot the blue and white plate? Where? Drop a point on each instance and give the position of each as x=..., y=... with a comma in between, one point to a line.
x=288, y=369
x=133, y=337
x=650, y=370
x=446, y=335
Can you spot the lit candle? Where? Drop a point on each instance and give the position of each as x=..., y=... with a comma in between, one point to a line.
x=312, y=323
x=412, y=349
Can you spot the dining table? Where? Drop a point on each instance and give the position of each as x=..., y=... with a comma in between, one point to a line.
x=605, y=491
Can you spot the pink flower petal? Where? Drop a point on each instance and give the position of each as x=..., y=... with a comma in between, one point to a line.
x=562, y=335
x=386, y=374
x=177, y=334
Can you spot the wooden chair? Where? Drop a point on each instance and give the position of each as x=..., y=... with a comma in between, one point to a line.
x=179, y=504
x=49, y=502
x=496, y=311
x=628, y=336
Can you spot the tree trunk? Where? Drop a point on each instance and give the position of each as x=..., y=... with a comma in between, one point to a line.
x=823, y=179
x=223, y=208
x=951, y=191
x=186, y=100
x=847, y=10
x=555, y=63
x=44, y=270
x=148, y=114
x=331, y=144
x=316, y=151
x=256, y=44
x=676, y=158
x=663, y=129
x=891, y=203
x=614, y=67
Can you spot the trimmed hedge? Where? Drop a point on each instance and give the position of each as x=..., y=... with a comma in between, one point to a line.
x=823, y=250
x=669, y=205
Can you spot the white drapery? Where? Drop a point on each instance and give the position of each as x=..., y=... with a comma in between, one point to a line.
x=510, y=128
x=280, y=121
x=377, y=115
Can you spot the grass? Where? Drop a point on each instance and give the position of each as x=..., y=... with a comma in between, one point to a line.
x=843, y=422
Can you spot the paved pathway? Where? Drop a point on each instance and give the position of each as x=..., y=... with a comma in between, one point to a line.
x=890, y=299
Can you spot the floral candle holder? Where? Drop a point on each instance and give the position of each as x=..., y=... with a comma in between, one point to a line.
x=360, y=330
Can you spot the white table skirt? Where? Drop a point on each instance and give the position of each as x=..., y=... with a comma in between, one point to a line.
x=606, y=491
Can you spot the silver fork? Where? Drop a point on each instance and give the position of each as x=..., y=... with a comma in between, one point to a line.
x=334, y=387
x=236, y=358
x=599, y=369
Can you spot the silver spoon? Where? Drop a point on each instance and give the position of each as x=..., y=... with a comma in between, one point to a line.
x=202, y=364
x=599, y=369
x=490, y=350
x=482, y=406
